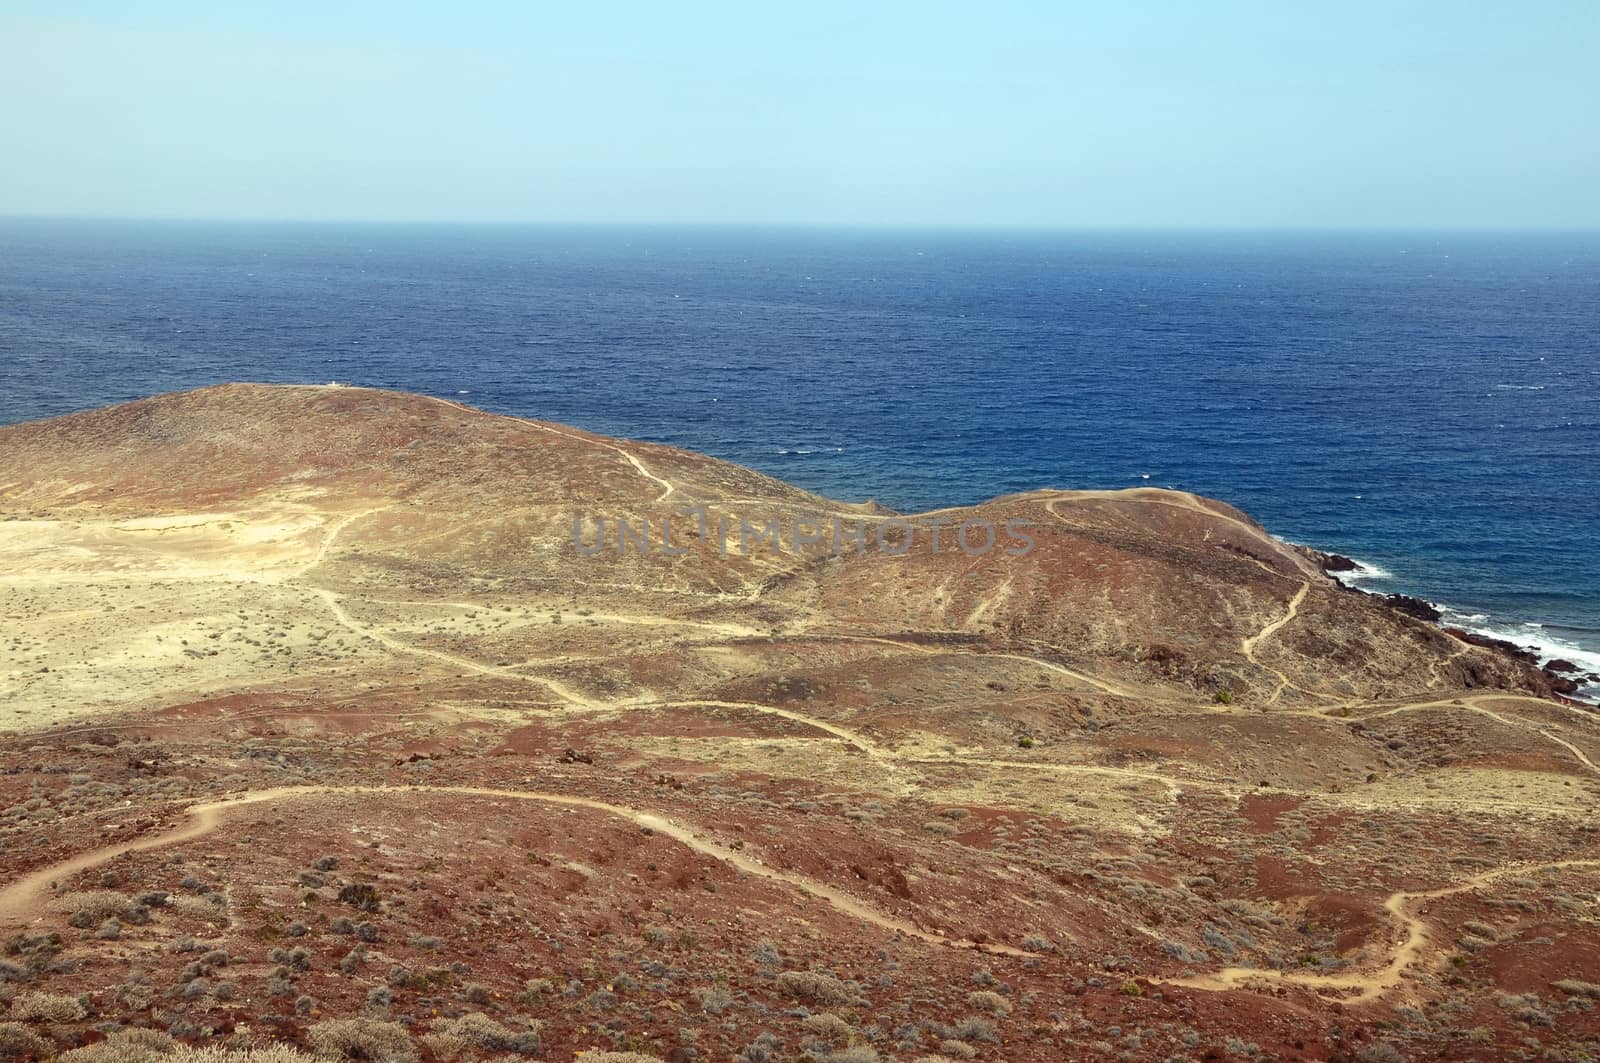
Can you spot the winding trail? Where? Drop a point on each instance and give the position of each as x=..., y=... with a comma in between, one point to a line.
x=346, y=620
x=1190, y=504
x=1472, y=705
x=1247, y=646
x=944, y=651
x=667, y=487
x=22, y=899
x=1370, y=985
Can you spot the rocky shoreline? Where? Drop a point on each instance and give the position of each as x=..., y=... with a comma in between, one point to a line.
x=1563, y=677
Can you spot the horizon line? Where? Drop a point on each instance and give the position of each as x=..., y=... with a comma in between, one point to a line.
x=922, y=226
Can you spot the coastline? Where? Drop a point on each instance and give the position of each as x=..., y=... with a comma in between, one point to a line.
x=1509, y=635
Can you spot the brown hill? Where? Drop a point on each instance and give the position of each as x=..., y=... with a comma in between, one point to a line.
x=1096, y=761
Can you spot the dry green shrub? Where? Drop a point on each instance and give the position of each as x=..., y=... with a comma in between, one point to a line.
x=1576, y=988
x=126, y=1046
x=534, y=990
x=957, y=1049
x=200, y=908
x=88, y=908
x=1526, y=1007
x=854, y=1054
x=262, y=1054
x=476, y=1030
x=815, y=987
x=828, y=1026
x=1379, y=1052
x=17, y=1042
x=34, y=1006
x=362, y=1039
x=993, y=1003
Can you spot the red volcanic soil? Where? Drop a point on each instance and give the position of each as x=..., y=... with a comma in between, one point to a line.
x=313, y=714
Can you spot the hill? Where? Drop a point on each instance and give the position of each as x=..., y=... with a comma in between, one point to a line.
x=332, y=704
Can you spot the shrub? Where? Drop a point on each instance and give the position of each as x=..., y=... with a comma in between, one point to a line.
x=854, y=1054
x=957, y=1049
x=147, y=1050
x=17, y=1041
x=534, y=990
x=976, y=1029
x=990, y=1001
x=1525, y=1007
x=125, y=1046
x=477, y=1030
x=1183, y=953
x=1573, y=987
x=212, y=908
x=1379, y=1052
x=47, y=1007
x=815, y=987
x=362, y=1039
x=614, y=1057
x=828, y=1026
x=713, y=1001
x=89, y=908
x=362, y=895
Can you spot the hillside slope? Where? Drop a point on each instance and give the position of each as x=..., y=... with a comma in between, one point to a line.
x=321, y=681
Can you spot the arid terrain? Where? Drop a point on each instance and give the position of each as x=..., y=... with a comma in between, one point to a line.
x=318, y=729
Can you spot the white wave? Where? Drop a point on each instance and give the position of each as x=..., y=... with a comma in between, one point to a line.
x=1520, y=387
x=1548, y=647
x=1365, y=570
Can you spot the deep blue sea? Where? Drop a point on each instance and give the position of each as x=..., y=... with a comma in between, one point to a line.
x=1427, y=403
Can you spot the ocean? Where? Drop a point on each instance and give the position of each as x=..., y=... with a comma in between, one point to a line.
x=1427, y=403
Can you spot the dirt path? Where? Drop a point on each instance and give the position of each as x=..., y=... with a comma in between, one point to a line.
x=667, y=487
x=1173, y=786
x=1247, y=646
x=943, y=651
x=1371, y=985
x=1188, y=503
x=398, y=646
x=1472, y=705
x=333, y=534
x=23, y=899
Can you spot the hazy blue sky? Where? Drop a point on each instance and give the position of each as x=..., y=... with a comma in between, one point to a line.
x=1280, y=113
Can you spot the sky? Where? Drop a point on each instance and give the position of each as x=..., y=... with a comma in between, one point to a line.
x=1243, y=114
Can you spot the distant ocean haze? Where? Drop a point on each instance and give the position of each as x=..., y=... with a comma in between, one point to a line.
x=1426, y=403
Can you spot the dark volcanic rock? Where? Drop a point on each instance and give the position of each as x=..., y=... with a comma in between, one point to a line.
x=1560, y=665
x=1510, y=649
x=1560, y=683
x=1412, y=607
x=1338, y=563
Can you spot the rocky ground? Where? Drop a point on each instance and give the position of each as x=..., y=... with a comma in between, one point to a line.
x=321, y=732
